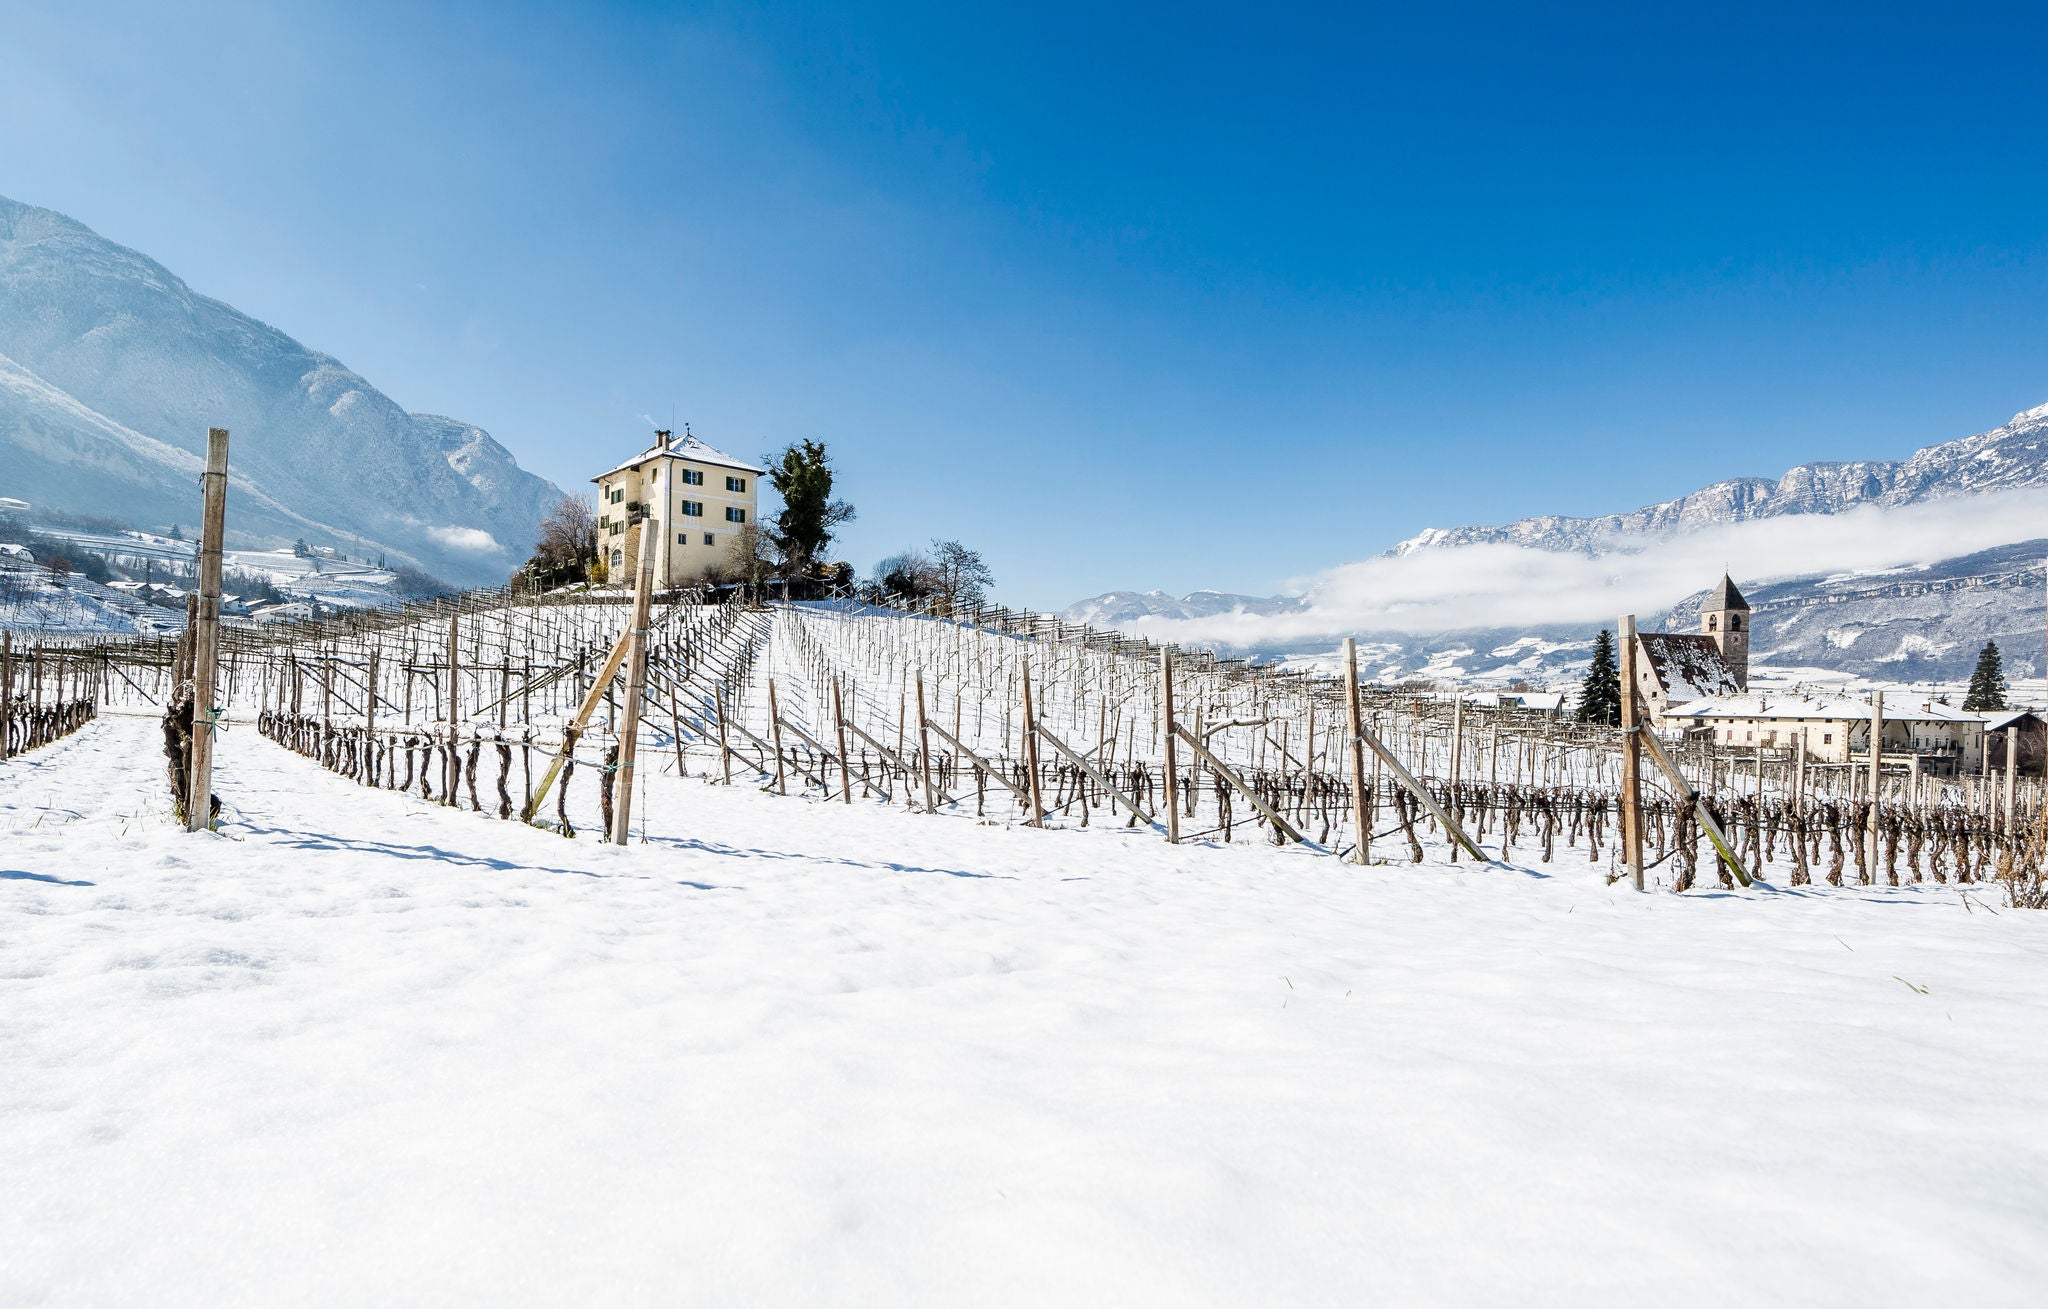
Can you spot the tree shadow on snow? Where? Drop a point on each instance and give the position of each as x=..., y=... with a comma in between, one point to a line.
x=723, y=850
x=19, y=875
x=299, y=840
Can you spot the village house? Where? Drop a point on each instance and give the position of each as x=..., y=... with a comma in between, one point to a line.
x=1836, y=729
x=1676, y=668
x=700, y=499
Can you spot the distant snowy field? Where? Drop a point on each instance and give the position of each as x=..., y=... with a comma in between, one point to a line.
x=360, y=1050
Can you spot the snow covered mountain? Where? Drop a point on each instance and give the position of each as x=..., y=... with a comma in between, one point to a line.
x=2002, y=459
x=1885, y=570
x=112, y=369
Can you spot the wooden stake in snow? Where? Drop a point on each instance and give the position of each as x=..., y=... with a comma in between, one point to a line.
x=1876, y=783
x=591, y=699
x=6, y=686
x=1632, y=730
x=453, y=770
x=1166, y=729
x=924, y=747
x=206, y=634
x=1354, y=724
x=636, y=688
x=1031, y=753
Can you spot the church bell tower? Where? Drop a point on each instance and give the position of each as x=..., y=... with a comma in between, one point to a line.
x=1725, y=618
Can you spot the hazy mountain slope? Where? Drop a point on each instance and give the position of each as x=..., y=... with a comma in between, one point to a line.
x=102, y=341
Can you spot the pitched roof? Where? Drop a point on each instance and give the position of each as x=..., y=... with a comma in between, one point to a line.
x=1688, y=665
x=690, y=448
x=1830, y=708
x=1725, y=596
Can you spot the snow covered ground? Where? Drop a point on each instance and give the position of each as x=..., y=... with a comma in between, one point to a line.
x=356, y=1049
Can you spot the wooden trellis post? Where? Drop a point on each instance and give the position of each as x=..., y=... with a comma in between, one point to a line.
x=1354, y=723
x=1632, y=729
x=206, y=633
x=839, y=726
x=1031, y=752
x=1167, y=729
x=453, y=770
x=1876, y=782
x=924, y=748
x=636, y=688
x=6, y=687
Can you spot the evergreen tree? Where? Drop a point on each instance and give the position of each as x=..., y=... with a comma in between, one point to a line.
x=1600, y=694
x=802, y=476
x=1987, y=684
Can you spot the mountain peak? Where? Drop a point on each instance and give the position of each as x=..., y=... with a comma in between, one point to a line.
x=130, y=366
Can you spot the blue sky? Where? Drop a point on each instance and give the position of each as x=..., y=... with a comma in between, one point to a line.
x=1136, y=296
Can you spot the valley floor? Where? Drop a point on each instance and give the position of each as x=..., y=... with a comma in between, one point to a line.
x=357, y=1049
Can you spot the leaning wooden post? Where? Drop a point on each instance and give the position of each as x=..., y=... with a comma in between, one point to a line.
x=1166, y=726
x=775, y=734
x=1632, y=729
x=1031, y=751
x=924, y=748
x=1876, y=783
x=1354, y=726
x=206, y=634
x=839, y=726
x=636, y=688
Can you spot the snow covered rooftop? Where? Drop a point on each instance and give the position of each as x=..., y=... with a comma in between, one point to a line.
x=1687, y=665
x=690, y=448
x=1831, y=708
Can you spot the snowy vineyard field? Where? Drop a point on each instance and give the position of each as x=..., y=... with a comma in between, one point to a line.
x=360, y=1045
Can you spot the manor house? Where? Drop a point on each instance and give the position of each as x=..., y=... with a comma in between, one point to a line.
x=699, y=498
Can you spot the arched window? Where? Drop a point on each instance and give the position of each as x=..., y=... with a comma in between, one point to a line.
x=1713, y=623
x=618, y=557
x=1735, y=622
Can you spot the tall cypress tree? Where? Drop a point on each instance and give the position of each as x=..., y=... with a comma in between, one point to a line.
x=1987, y=684
x=1600, y=693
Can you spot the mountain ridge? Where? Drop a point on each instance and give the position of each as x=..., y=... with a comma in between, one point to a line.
x=115, y=365
x=1922, y=621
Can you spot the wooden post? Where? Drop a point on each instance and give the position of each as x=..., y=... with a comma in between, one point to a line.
x=206, y=636
x=636, y=689
x=591, y=699
x=2012, y=773
x=1031, y=751
x=1876, y=783
x=775, y=735
x=6, y=687
x=370, y=696
x=1632, y=729
x=1166, y=726
x=1354, y=726
x=924, y=748
x=839, y=726
x=1799, y=766
x=453, y=768
x=724, y=741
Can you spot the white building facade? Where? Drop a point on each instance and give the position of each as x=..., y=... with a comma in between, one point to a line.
x=699, y=498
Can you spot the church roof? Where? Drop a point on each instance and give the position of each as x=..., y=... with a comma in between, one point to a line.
x=1725, y=596
x=1688, y=666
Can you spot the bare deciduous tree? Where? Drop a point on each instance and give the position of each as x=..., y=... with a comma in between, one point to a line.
x=567, y=548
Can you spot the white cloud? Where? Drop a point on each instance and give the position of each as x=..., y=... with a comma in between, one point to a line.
x=470, y=540
x=1484, y=586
